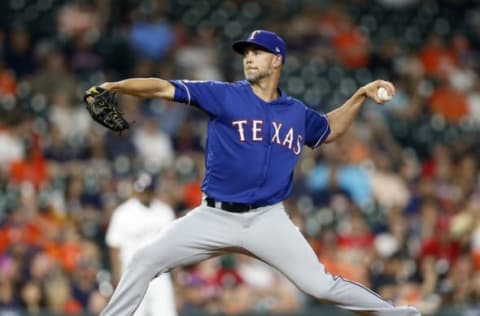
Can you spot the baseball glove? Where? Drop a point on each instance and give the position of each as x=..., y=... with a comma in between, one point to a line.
x=104, y=109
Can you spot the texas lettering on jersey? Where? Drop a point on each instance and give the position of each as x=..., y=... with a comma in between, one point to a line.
x=286, y=139
x=244, y=131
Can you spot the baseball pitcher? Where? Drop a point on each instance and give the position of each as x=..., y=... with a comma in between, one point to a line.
x=256, y=134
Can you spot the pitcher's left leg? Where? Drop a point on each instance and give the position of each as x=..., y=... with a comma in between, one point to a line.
x=274, y=239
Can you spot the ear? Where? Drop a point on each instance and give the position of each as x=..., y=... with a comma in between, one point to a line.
x=277, y=61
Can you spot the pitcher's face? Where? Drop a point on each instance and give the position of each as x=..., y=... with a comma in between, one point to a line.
x=258, y=63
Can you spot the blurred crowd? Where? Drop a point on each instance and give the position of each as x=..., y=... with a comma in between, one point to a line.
x=395, y=204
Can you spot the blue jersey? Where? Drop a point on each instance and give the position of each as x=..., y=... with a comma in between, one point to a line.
x=252, y=145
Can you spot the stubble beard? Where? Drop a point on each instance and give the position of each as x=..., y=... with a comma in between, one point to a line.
x=257, y=76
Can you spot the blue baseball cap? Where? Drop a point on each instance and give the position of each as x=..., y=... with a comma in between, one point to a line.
x=265, y=39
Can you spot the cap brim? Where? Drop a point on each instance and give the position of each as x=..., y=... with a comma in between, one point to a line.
x=240, y=46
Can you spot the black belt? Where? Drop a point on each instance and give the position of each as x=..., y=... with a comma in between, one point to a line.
x=231, y=206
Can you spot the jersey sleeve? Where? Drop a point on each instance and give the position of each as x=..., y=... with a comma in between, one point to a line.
x=317, y=128
x=170, y=215
x=115, y=236
x=207, y=95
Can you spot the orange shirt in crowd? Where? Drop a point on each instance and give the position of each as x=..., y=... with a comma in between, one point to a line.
x=476, y=259
x=8, y=86
x=72, y=307
x=67, y=255
x=450, y=103
x=351, y=47
x=26, y=233
x=192, y=194
x=434, y=59
x=33, y=169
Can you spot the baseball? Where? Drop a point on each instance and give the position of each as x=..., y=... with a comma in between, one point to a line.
x=383, y=94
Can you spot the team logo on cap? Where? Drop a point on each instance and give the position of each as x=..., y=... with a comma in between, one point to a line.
x=254, y=34
x=277, y=49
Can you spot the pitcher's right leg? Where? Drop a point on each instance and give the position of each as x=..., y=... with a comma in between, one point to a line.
x=192, y=238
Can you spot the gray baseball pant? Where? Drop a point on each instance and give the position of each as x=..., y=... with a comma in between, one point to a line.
x=266, y=233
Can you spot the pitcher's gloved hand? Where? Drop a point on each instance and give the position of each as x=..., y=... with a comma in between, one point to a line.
x=103, y=108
